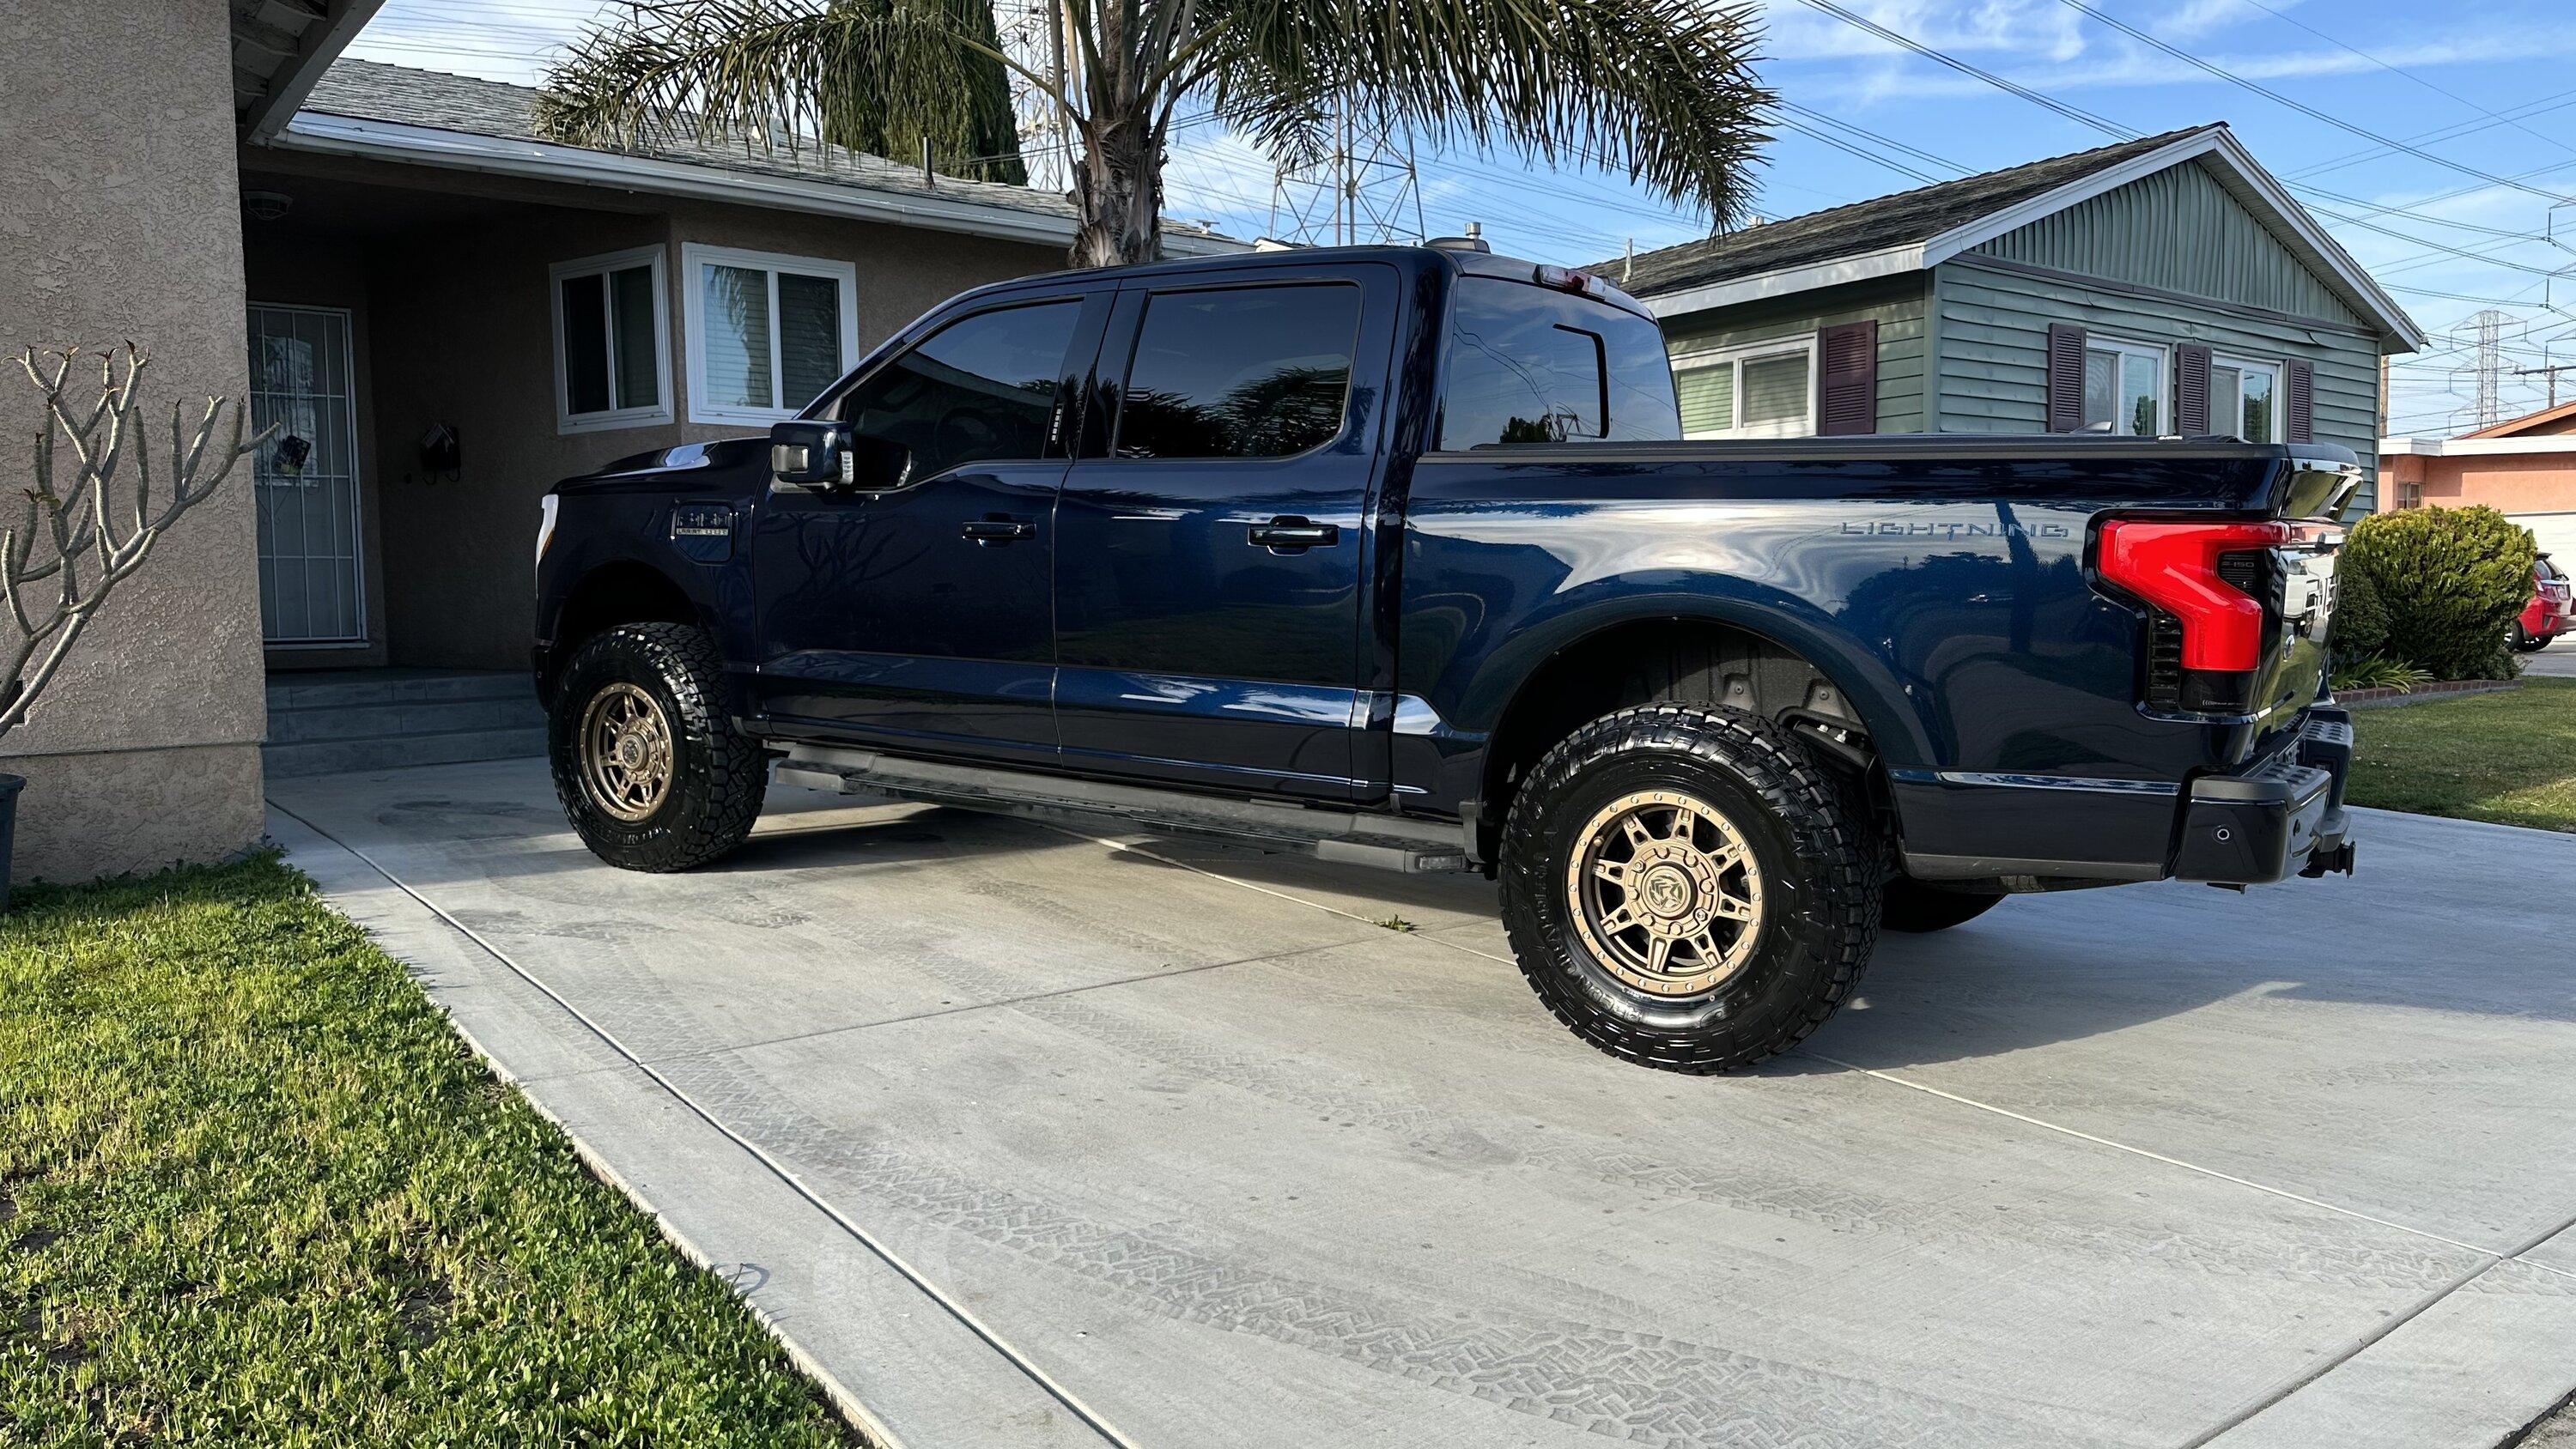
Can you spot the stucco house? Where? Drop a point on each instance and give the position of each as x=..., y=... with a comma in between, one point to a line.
x=2158, y=286
x=2524, y=468
x=444, y=311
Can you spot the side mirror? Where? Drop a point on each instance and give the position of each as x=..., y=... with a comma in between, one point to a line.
x=821, y=454
x=812, y=454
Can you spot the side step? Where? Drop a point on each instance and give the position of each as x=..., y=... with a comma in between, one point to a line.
x=1386, y=842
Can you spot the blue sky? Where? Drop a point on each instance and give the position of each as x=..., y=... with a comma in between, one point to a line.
x=2422, y=74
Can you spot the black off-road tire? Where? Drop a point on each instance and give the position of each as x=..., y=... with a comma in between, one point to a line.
x=1821, y=881
x=1914, y=906
x=718, y=775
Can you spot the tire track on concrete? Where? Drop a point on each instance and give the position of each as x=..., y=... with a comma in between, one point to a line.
x=2318, y=1258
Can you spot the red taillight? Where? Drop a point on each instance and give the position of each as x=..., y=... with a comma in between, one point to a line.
x=2175, y=567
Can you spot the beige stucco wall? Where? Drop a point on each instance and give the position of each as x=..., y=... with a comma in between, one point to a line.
x=462, y=333
x=120, y=218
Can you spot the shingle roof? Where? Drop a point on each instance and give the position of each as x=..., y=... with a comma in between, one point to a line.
x=1867, y=226
x=373, y=91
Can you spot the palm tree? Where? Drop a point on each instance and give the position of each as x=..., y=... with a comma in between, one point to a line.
x=1661, y=89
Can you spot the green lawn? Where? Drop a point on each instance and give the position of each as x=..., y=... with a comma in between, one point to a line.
x=2508, y=757
x=254, y=1191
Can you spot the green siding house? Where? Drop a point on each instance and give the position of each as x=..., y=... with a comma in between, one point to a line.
x=2167, y=285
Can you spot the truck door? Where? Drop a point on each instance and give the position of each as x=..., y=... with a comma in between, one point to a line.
x=1210, y=539
x=913, y=609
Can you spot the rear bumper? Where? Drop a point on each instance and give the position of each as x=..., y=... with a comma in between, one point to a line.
x=2282, y=817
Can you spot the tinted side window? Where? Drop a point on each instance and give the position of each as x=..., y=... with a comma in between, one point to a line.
x=980, y=389
x=1528, y=365
x=1254, y=372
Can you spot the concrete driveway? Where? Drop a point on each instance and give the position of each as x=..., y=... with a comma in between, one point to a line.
x=1022, y=1137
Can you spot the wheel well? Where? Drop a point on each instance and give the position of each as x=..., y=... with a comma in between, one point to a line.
x=614, y=594
x=1690, y=661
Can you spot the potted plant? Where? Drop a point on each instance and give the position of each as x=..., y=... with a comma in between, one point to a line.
x=86, y=529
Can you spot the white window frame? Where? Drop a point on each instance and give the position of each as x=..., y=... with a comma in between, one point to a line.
x=2280, y=392
x=695, y=257
x=2163, y=358
x=566, y=420
x=1743, y=353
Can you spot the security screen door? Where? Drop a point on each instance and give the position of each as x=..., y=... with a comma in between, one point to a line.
x=310, y=590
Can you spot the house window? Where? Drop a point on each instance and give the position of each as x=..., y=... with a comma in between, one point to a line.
x=2245, y=399
x=612, y=354
x=767, y=334
x=1766, y=390
x=2124, y=387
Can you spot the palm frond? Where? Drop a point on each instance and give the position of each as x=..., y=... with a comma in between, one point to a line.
x=1663, y=90
x=876, y=76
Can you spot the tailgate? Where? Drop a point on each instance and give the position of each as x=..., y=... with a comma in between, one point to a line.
x=2296, y=583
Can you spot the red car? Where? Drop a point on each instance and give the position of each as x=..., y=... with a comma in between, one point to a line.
x=2549, y=610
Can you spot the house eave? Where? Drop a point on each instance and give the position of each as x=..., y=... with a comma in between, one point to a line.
x=1894, y=261
x=351, y=136
x=319, y=45
x=2473, y=447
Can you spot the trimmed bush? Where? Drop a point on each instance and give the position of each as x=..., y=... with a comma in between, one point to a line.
x=2449, y=581
x=2360, y=627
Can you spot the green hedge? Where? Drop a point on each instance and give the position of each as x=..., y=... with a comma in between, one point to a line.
x=2445, y=584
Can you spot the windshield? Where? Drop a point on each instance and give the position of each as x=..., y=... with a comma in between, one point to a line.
x=1529, y=365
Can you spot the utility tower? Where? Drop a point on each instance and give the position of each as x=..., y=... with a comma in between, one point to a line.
x=2483, y=332
x=1033, y=35
x=1364, y=190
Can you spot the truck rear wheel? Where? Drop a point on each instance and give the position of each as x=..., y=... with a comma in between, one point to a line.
x=1685, y=889
x=1913, y=906
x=646, y=762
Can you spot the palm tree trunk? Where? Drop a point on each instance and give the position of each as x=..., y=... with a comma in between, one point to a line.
x=1118, y=189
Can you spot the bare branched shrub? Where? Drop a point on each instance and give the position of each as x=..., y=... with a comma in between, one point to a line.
x=85, y=531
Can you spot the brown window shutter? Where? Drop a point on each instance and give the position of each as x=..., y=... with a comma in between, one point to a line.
x=1847, y=382
x=2191, y=389
x=2065, y=377
x=2301, y=410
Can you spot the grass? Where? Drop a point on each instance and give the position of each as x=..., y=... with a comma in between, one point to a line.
x=253, y=1190
x=2508, y=757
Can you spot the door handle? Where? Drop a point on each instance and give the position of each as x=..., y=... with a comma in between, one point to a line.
x=997, y=529
x=1292, y=532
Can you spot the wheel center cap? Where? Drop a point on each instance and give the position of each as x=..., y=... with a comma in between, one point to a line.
x=1667, y=890
x=630, y=751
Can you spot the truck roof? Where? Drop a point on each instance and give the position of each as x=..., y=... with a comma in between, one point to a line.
x=1458, y=259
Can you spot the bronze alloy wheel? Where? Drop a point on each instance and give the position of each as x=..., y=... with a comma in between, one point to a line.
x=626, y=760
x=1666, y=892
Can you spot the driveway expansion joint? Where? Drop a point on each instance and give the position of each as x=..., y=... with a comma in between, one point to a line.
x=1036, y=1375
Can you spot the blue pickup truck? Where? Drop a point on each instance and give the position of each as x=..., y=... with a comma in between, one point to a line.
x=1398, y=556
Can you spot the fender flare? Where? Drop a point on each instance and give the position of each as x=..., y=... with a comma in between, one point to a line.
x=1886, y=703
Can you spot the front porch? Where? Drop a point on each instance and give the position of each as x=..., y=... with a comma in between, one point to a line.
x=326, y=721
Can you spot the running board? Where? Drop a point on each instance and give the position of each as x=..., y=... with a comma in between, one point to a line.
x=1414, y=847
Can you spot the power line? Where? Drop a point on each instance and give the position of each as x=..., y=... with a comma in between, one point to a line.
x=2554, y=101
x=2397, y=70
x=2303, y=108
x=2072, y=113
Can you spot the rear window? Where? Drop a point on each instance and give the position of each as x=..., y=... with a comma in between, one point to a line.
x=1528, y=365
x=2549, y=570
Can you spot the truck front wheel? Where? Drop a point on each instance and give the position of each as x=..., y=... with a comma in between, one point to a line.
x=649, y=768
x=1685, y=889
